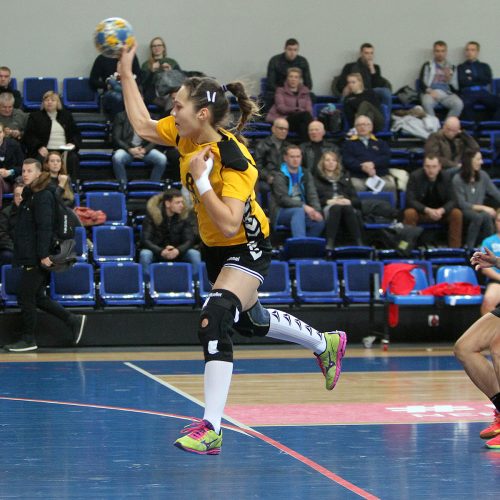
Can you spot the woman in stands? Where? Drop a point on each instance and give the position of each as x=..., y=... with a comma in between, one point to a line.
x=157, y=63
x=220, y=174
x=361, y=101
x=293, y=102
x=53, y=129
x=471, y=186
x=338, y=199
x=33, y=244
x=59, y=177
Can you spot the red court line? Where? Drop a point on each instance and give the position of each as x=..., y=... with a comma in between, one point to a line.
x=276, y=444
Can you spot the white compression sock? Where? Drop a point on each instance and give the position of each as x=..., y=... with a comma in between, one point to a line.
x=217, y=381
x=284, y=326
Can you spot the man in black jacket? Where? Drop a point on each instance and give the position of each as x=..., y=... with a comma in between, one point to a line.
x=129, y=146
x=278, y=66
x=313, y=149
x=268, y=157
x=168, y=233
x=33, y=244
x=474, y=81
x=429, y=198
x=371, y=74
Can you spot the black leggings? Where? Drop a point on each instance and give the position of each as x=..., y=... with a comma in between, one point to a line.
x=32, y=295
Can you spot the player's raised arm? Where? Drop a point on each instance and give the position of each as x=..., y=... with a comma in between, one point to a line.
x=135, y=107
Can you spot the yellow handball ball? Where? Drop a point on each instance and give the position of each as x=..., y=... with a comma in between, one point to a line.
x=112, y=35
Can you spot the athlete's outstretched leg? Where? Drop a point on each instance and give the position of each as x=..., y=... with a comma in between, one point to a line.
x=329, y=347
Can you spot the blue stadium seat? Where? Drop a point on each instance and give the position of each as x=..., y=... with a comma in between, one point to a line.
x=93, y=130
x=121, y=284
x=438, y=256
x=113, y=244
x=33, y=90
x=413, y=298
x=75, y=286
x=99, y=185
x=304, y=248
x=317, y=282
x=11, y=277
x=111, y=203
x=95, y=159
x=357, y=279
x=457, y=274
x=204, y=287
x=82, y=248
x=276, y=288
x=171, y=283
x=79, y=96
x=351, y=252
x=144, y=189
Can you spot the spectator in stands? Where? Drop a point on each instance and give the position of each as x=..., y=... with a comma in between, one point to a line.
x=103, y=77
x=361, y=101
x=450, y=143
x=54, y=164
x=293, y=102
x=438, y=83
x=11, y=161
x=129, y=146
x=295, y=201
x=6, y=86
x=367, y=157
x=316, y=146
x=268, y=157
x=338, y=199
x=471, y=185
x=33, y=245
x=157, y=63
x=491, y=296
x=370, y=73
x=8, y=218
x=278, y=66
x=13, y=120
x=474, y=81
x=167, y=233
x=53, y=129
x=430, y=199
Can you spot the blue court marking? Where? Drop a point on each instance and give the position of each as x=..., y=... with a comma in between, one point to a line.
x=59, y=451
x=308, y=365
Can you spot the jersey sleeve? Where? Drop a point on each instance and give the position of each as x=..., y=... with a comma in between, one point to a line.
x=167, y=130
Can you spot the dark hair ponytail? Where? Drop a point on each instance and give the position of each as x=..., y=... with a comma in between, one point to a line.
x=248, y=107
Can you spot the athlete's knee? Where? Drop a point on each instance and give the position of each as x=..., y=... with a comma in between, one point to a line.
x=218, y=315
x=253, y=322
x=495, y=348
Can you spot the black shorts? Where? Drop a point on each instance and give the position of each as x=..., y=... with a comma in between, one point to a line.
x=252, y=258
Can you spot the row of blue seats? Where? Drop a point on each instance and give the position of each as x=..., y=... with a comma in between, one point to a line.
x=77, y=95
x=314, y=282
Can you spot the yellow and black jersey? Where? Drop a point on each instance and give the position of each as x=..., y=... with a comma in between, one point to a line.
x=233, y=175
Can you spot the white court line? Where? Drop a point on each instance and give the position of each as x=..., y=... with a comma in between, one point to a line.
x=187, y=396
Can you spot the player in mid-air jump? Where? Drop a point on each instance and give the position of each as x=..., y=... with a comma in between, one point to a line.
x=220, y=174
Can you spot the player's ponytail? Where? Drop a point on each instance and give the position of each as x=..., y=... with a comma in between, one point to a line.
x=248, y=107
